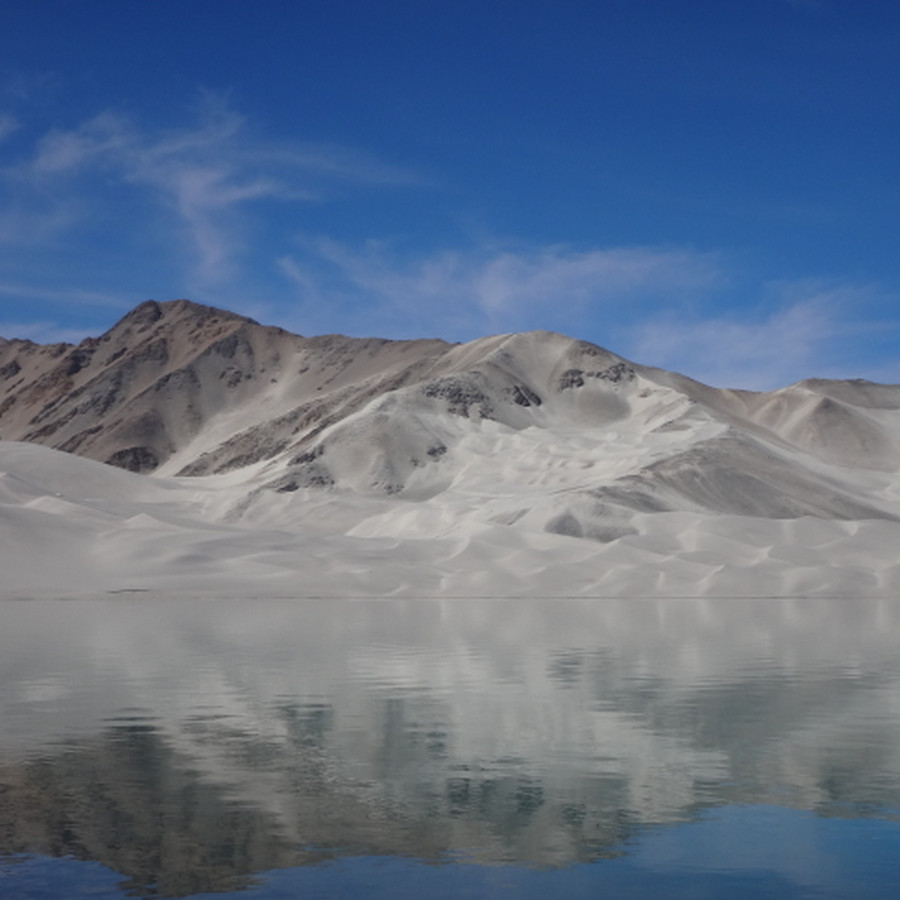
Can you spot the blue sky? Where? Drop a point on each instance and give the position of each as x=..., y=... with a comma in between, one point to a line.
x=711, y=186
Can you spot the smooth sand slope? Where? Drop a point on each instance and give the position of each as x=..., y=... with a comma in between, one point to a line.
x=264, y=463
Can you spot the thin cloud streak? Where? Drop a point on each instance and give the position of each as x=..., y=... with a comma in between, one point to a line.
x=811, y=333
x=63, y=295
x=460, y=295
x=658, y=306
x=8, y=125
x=204, y=176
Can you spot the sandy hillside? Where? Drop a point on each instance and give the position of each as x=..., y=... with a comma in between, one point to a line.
x=245, y=460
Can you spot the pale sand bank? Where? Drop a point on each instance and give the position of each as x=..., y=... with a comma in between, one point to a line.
x=74, y=527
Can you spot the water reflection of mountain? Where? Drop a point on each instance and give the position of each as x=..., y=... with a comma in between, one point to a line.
x=188, y=746
x=129, y=801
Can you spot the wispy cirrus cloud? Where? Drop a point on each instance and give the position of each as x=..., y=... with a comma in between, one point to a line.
x=201, y=180
x=691, y=312
x=71, y=294
x=8, y=125
x=812, y=330
x=470, y=292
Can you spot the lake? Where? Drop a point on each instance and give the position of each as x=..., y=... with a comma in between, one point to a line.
x=443, y=749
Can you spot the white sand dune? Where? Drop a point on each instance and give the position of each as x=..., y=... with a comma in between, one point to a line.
x=267, y=464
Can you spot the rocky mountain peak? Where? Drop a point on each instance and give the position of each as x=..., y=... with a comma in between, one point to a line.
x=151, y=315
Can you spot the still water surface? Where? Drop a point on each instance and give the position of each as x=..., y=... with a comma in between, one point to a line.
x=509, y=749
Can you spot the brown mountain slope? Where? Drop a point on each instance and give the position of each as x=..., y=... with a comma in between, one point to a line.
x=148, y=386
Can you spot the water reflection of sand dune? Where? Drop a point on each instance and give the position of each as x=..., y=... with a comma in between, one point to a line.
x=220, y=739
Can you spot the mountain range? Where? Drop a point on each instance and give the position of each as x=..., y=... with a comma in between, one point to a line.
x=527, y=463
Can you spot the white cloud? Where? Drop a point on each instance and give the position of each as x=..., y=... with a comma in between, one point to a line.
x=658, y=306
x=204, y=176
x=95, y=140
x=491, y=289
x=812, y=332
x=8, y=125
x=551, y=275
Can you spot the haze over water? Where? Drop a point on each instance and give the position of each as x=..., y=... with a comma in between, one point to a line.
x=729, y=748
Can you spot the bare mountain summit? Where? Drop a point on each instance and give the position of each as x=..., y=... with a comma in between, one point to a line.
x=496, y=447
